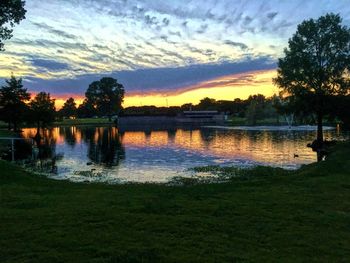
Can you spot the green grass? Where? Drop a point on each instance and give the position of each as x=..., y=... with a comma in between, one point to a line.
x=4, y=144
x=3, y=125
x=300, y=217
x=6, y=133
x=237, y=121
x=83, y=121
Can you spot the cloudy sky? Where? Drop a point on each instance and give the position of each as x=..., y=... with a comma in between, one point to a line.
x=162, y=51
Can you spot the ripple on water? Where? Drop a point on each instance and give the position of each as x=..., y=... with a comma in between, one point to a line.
x=156, y=156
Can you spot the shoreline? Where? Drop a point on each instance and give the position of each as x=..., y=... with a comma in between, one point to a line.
x=263, y=216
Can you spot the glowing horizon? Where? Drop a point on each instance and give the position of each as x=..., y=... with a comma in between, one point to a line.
x=163, y=52
x=223, y=88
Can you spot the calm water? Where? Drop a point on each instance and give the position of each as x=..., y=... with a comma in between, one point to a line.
x=105, y=154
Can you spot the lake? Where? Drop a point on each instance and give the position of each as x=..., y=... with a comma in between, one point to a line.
x=105, y=154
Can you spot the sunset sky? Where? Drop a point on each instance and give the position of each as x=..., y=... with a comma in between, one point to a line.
x=163, y=52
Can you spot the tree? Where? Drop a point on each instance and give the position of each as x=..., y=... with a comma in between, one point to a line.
x=187, y=107
x=207, y=104
x=86, y=110
x=255, y=109
x=316, y=66
x=11, y=13
x=43, y=110
x=69, y=108
x=13, y=105
x=106, y=96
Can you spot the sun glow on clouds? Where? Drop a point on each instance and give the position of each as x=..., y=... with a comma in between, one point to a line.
x=224, y=88
x=69, y=39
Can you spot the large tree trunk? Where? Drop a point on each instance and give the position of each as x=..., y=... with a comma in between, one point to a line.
x=319, y=137
x=319, y=129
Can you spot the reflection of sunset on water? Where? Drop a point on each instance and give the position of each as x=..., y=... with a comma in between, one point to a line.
x=237, y=144
x=261, y=146
x=161, y=154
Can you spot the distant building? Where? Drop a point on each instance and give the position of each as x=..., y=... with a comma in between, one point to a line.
x=197, y=118
x=201, y=116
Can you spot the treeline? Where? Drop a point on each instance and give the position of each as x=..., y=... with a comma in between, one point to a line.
x=255, y=108
x=17, y=107
x=102, y=98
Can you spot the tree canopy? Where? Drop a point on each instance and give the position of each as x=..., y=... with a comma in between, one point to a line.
x=11, y=13
x=69, y=108
x=13, y=98
x=42, y=109
x=316, y=66
x=106, y=96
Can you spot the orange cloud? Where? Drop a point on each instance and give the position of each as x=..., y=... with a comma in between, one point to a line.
x=224, y=88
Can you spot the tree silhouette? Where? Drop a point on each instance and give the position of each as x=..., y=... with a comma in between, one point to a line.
x=43, y=110
x=207, y=104
x=255, y=109
x=316, y=66
x=105, y=146
x=12, y=102
x=11, y=13
x=86, y=110
x=106, y=96
x=69, y=108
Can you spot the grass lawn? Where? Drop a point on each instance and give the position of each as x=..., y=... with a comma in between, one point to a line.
x=3, y=125
x=5, y=133
x=302, y=217
x=83, y=121
x=238, y=121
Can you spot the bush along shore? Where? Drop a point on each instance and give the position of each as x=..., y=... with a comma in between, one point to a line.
x=264, y=214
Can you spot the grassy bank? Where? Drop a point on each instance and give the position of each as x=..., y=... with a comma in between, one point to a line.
x=6, y=133
x=303, y=216
x=237, y=121
x=4, y=144
x=83, y=121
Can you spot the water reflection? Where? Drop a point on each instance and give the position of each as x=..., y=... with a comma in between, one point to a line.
x=46, y=157
x=105, y=146
x=159, y=155
x=71, y=134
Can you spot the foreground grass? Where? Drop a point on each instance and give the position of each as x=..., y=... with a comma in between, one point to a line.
x=304, y=216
